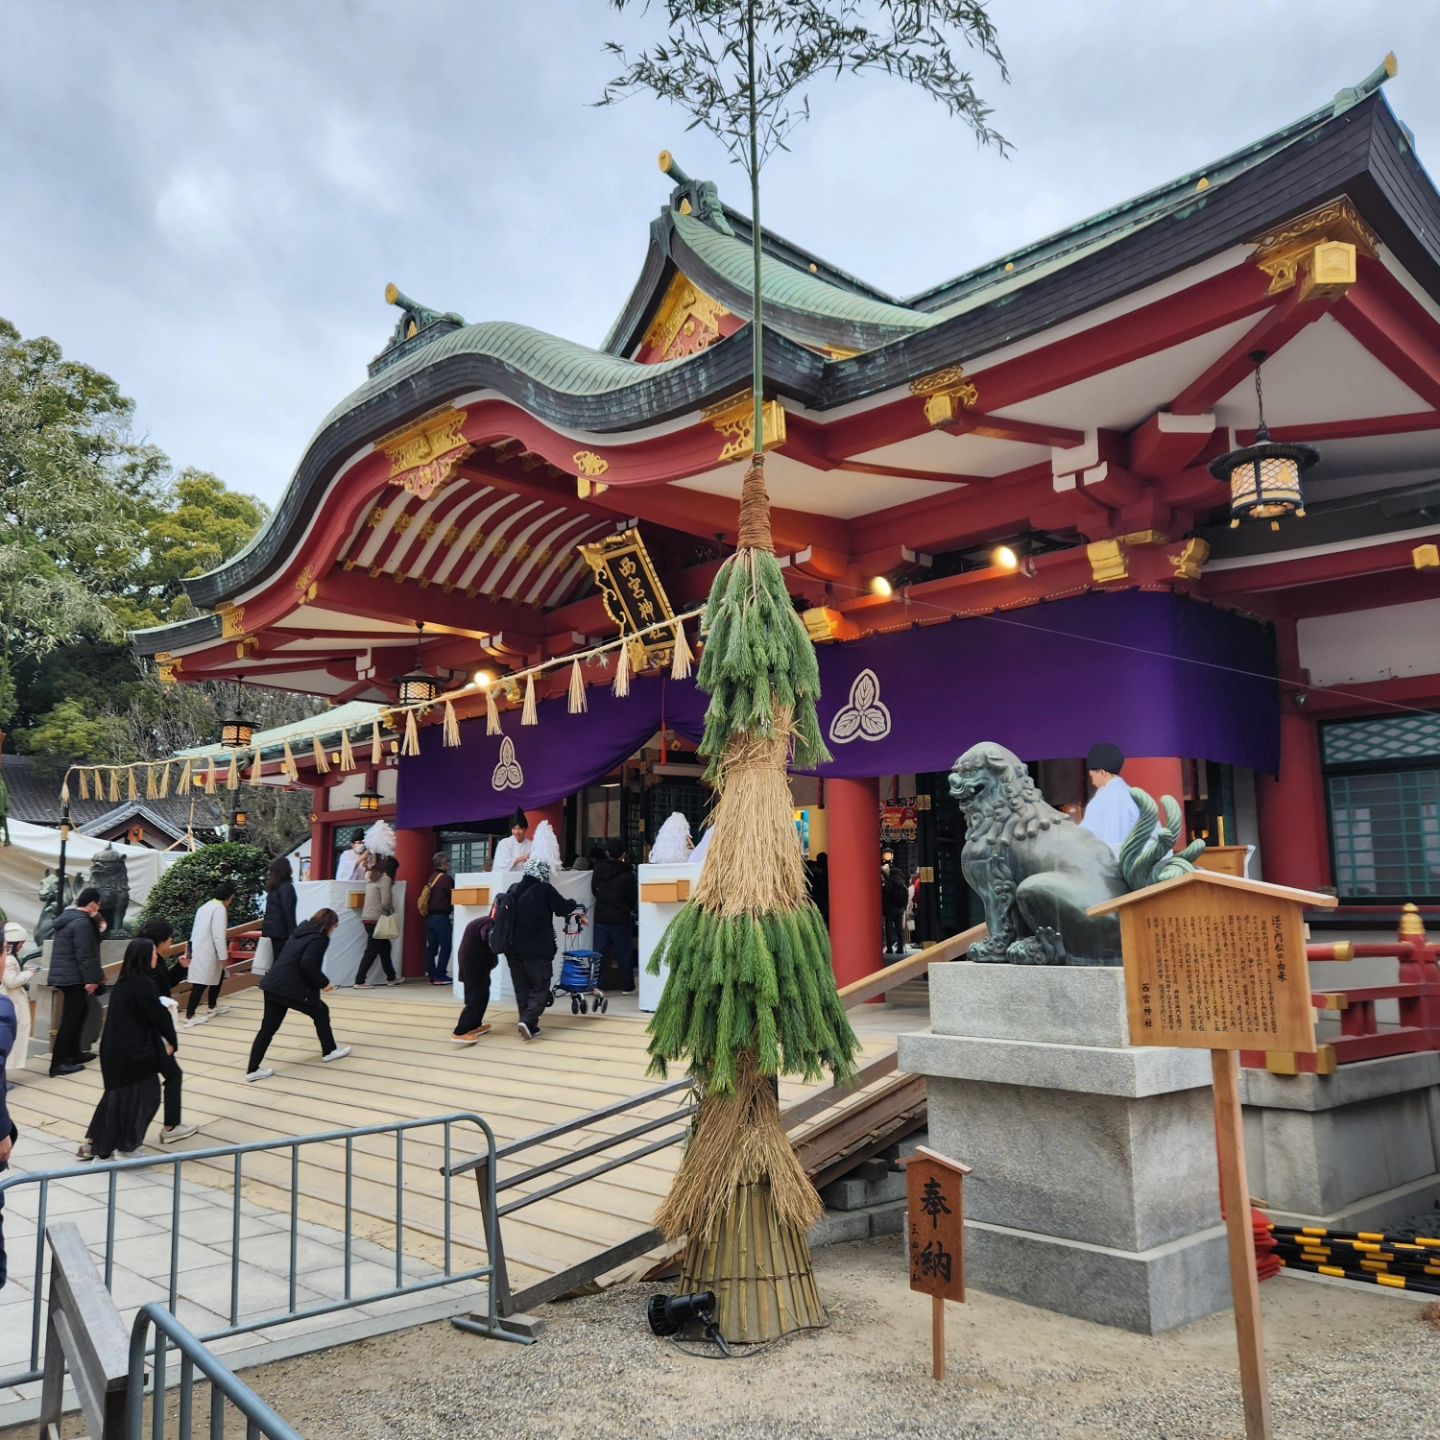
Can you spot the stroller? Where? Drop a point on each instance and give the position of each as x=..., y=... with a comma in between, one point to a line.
x=580, y=973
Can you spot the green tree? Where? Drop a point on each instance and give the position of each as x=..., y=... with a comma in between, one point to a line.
x=191, y=881
x=751, y=991
x=72, y=728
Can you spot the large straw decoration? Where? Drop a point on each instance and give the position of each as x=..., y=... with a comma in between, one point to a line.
x=151, y=793
x=492, y=713
x=411, y=743
x=450, y=729
x=164, y=780
x=257, y=766
x=347, y=751
x=751, y=991
x=577, y=689
x=114, y=787
x=186, y=780
x=84, y=786
x=212, y=775
x=377, y=754
x=622, y=671
x=683, y=656
x=530, y=714
x=322, y=760
x=132, y=793
x=288, y=768
x=97, y=783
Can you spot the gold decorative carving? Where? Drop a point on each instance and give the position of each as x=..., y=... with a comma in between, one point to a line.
x=423, y=456
x=1322, y=245
x=522, y=550
x=376, y=571
x=169, y=667
x=250, y=645
x=452, y=533
x=1191, y=560
x=633, y=594
x=1426, y=557
x=687, y=321
x=1108, y=560
x=735, y=417
x=305, y=586
x=376, y=517
x=821, y=624
x=349, y=564
x=1145, y=537
x=587, y=462
x=402, y=522
x=428, y=529
x=232, y=620
x=585, y=487
x=946, y=393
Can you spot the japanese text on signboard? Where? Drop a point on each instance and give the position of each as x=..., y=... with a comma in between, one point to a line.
x=632, y=593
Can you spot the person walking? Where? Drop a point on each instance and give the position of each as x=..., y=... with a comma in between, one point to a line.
x=209, y=948
x=531, y=956
x=477, y=960
x=279, y=921
x=614, y=886
x=165, y=976
x=894, y=896
x=8, y=1133
x=379, y=905
x=16, y=981
x=76, y=972
x=139, y=1034
x=296, y=982
x=437, y=905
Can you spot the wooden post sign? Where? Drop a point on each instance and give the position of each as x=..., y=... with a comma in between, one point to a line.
x=1215, y=962
x=935, y=1204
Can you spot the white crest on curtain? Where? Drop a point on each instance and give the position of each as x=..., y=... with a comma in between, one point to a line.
x=545, y=846
x=508, y=774
x=672, y=842
x=866, y=717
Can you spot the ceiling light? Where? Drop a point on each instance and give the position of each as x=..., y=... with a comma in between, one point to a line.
x=1005, y=558
x=882, y=587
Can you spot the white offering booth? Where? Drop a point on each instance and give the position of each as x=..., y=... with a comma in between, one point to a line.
x=663, y=890
x=347, y=944
x=475, y=892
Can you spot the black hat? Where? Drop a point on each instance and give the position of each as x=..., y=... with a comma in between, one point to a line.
x=518, y=818
x=1105, y=757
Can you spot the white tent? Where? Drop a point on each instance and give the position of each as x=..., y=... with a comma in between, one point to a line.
x=35, y=848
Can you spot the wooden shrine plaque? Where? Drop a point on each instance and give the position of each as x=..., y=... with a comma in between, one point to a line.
x=936, y=1224
x=1217, y=963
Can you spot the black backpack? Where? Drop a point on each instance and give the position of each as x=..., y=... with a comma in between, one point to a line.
x=502, y=922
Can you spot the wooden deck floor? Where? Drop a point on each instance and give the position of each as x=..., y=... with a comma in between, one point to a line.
x=404, y=1067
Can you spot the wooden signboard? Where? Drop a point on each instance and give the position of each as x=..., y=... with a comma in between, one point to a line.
x=935, y=1204
x=1215, y=962
x=664, y=892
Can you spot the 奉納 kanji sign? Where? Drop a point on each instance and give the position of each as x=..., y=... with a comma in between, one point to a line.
x=935, y=1230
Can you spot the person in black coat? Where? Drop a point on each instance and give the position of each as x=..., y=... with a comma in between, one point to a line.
x=279, y=922
x=9, y=1027
x=165, y=977
x=894, y=897
x=295, y=982
x=76, y=972
x=531, y=956
x=139, y=1034
x=614, y=884
x=477, y=960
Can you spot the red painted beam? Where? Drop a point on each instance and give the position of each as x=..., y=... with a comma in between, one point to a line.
x=1165, y=443
x=1277, y=573
x=1362, y=592
x=355, y=593
x=1023, y=432
x=1272, y=332
x=1361, y=428
x=1383, y=317
x=989, y=510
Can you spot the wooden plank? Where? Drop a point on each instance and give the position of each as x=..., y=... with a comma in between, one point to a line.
x=859, y=991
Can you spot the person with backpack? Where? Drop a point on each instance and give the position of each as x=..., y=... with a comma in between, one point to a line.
x=477, y=960
x=437, y=905
x=295, y=982
x=524, y=932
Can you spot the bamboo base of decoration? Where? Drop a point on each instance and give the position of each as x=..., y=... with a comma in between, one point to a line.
x=759, y=1270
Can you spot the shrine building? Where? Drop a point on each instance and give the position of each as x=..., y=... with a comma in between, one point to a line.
x=1009, y=508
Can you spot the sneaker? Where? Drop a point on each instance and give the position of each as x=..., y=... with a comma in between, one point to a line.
x=630, y=991
x=394, y=980
x=220, y=1010
x=470, y=1037
x=195, y=1020
x=338, y=1053
x=526, y=1033
x=85, y=1152
x=261, y=1074
x=86, y=1056
x=68, y=1070
x=179, y=1132
x=362, y=985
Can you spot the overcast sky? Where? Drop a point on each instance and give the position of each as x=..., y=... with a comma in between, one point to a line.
x=206, y=197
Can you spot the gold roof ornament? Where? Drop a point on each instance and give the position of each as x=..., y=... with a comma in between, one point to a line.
x=423, y=455
x=1319, y=250
x=946, y=393
x=735, y=417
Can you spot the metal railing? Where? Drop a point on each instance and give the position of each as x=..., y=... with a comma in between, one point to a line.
x=487, y=1322
x=227, y=1390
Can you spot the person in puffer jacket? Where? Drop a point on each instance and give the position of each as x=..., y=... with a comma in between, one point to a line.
x=76, y=972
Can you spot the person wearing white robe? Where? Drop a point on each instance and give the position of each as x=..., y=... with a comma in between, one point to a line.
x=350, y=867
x=1112, y=812
x=209, y=948
x=513, y=852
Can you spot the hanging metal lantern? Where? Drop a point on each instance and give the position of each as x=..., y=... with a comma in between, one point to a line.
x=419, y=687
x=368, y=800
x=237, y=731
x=1264, y=478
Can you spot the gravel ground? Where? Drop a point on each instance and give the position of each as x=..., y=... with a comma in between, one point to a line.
x=1344, y=1361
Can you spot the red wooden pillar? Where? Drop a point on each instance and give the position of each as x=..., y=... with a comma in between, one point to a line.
x=414, y=850
x=322, y=836
x=1158, y=775
x=1294, y=849
x=852, y=840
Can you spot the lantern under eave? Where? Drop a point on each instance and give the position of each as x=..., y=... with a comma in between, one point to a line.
x=368, y=800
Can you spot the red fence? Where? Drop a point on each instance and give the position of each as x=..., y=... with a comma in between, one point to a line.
x=1362, y=1036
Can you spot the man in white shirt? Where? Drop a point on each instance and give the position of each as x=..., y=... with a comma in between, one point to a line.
x=350, y=867
x=1112, y=812
x=513, y=852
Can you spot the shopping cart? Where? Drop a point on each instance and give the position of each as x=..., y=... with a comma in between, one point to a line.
x=580, y=972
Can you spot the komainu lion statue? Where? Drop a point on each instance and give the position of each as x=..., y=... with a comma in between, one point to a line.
x=1038, y=872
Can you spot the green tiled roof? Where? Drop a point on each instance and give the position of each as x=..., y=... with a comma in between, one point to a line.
x=353, y=715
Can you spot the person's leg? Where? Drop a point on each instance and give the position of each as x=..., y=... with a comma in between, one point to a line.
x=387, y=963
x=270, y=1022
x=624, y=956
x=538, y=974
x=192, y=1003
x=319, y=1012
x=171, y=1074
x=212, y=995
x=447, y=937
x=520, y=980
x=74, y=1002
x=432, y=945
x=372, y=949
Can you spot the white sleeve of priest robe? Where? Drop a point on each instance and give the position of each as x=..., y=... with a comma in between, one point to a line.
x=1112, y=814
x=509, y=855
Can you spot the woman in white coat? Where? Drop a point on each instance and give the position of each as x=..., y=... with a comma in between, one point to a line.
x=209, y=946
x=15, y=980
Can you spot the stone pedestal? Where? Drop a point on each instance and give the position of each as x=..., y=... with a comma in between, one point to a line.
x=1095, y=1191
x=1356, y=1150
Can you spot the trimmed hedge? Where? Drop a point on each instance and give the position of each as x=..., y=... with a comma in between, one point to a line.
x=191, y=881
